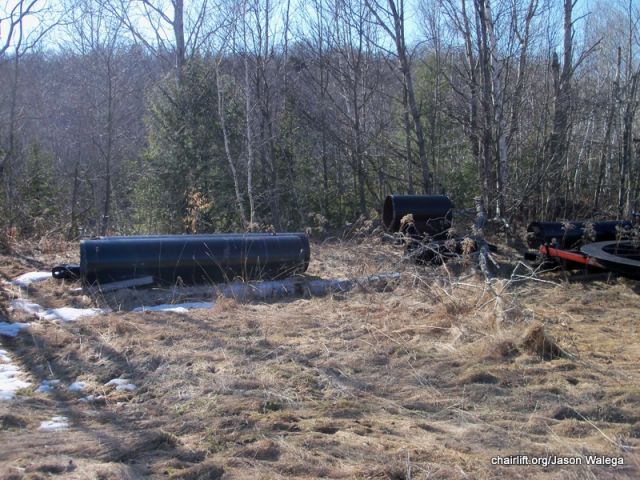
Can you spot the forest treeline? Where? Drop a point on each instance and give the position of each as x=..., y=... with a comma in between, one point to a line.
x=157, y=117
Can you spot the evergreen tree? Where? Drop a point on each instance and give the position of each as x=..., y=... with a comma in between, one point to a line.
x=184, y=183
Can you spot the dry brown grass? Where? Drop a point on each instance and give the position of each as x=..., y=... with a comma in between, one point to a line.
x=538, y=342
x=428, y=380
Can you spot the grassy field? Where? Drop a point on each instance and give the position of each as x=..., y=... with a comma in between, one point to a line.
x=431, y=376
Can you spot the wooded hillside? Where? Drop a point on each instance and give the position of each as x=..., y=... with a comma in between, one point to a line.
x=121, y=116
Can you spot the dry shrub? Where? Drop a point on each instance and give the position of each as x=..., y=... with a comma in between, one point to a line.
x=224, y=304
x=362, y=227
x=406, y=221
x=8, y=239
x=448, y=310
x=260, y=227
x=317, y=225
x=468, y=246
x=120, y=326
x=4, y=301
x=53, y=244
x=537, y=341
x=12, y=422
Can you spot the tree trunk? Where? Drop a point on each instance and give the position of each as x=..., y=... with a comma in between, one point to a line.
x=249, y=133
x=627, y=145
x=474, y=101
x=106, y=210
x=178, y=32
x=225, y=136
x=562, y=79
x=252, y=209
x=407, y=136
x=497, y=105
x=405, y=67
x=486, y=102
x=397, y=34
x=7, y=155
x=606, y=147
x=72, y=233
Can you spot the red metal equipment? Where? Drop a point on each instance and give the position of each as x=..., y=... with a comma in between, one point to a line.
x=569, y=256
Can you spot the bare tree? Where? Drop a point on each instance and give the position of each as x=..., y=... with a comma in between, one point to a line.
x=12, y=17
x=630, y=105
x=562, y=86
x=18, y=40
x=148, y=21
x=490, y=91
x=227, y=148
x=96, y=36
x=391, y=17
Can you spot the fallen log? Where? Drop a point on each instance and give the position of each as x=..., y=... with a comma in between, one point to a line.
x=300, y=286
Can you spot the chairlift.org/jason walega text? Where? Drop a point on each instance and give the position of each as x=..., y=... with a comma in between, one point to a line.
x=548, y=460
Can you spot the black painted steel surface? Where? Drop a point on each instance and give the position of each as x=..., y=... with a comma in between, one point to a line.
x=193, y=259
x=66, y=271
x=432, y=214
x=622, y=257
x=542, y=233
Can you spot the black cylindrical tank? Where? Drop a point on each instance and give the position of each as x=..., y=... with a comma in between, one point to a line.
x=194, y=259
x=572, y=234
x=431, y=213
x=184, y=235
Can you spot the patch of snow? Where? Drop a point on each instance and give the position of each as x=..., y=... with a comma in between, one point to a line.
x=28, y=278
x=121, y=384
x=10, y=381
x=77, y=386
x=70, y=314
x=47, y=385
x=64, y=314
x=30, y=308
x=174, y=307
x=56, y=423
x=11, y=329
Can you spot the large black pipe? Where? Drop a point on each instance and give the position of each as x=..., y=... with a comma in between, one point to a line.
x=431, y=213
x=572, y=234
x=200, y=235
x=194, y=259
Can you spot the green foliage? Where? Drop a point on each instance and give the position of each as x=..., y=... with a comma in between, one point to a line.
x=39, y=205
x=185, y=159
x=461, y=182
